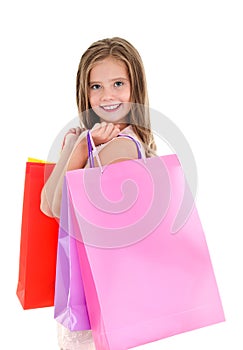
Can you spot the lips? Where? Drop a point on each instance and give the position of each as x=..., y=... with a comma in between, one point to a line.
x=111, y=108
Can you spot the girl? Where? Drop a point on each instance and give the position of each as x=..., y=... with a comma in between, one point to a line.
x=111, y=94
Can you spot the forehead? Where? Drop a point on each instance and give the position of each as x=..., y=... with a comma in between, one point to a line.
x=108, y=68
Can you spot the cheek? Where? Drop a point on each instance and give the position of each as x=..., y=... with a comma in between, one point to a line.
x=127, y=95
x=92, y=99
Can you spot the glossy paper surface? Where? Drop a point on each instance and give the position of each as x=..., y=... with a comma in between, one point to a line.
x=70, y=304
x=148, y=285
x=38, y=246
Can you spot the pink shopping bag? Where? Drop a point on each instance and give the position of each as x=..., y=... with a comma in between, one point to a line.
x=142, y=283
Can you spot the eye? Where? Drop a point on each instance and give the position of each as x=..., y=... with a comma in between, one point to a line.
x=95, y=87
x=118, y=83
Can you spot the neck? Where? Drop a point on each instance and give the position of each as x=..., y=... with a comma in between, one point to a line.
x=123, y=125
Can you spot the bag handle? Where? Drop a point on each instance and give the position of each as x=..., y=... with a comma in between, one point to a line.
x=92, y=150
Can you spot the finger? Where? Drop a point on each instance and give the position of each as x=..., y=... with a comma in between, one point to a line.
x=99, y=129
x=108, y=129
x=78, y=130
x=70, y=131
x=96, y=126
x=103, y=124
x=115, y=132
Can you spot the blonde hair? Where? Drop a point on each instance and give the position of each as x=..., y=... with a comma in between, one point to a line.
x=122, y=50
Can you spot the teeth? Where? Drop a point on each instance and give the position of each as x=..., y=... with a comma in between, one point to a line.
x=111, y=107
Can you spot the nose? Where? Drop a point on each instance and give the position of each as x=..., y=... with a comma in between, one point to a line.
x=107, y=94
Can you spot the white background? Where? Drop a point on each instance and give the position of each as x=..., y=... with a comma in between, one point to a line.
x=192, y=52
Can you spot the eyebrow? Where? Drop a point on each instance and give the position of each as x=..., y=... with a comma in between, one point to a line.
x=114, y=79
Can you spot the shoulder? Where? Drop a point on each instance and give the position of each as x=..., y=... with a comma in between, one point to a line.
x=118, y=149
x=124, y=147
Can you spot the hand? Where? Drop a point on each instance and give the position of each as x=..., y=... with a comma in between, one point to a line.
x=104, y=132
x=72, y=135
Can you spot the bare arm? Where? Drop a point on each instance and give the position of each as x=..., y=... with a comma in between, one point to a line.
x=75, y=155
x=51, y=192
x=76, y=160
x=117, y=150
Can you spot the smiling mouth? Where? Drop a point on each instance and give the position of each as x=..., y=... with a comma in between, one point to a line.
x=111, y=108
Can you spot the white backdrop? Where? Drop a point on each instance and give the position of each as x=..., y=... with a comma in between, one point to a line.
x=192, y=52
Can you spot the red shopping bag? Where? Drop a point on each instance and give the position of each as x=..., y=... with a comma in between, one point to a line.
x=38, y=243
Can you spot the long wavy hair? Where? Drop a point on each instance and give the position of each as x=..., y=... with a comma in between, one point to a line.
x=138, y=116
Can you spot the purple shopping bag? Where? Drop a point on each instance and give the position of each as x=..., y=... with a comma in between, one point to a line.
x=70, y=307
x=142, y=282
x=69, y=303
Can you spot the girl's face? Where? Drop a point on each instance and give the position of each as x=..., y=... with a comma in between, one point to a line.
x=110, y=90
